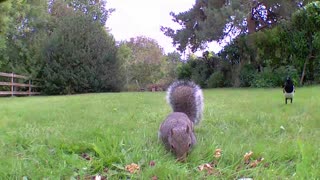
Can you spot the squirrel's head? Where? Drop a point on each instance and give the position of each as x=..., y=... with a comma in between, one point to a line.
x=180, y=141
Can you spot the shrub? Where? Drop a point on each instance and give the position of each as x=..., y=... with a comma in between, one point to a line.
x=80, y=57
x=283, y=72
x=216, y=80
x=266, y=78
x=275, y=78
x=132, y=87
x=247, y=75
x=184, y=71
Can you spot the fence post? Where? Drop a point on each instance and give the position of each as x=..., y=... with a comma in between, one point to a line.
x=29, y=87
x=12, y=88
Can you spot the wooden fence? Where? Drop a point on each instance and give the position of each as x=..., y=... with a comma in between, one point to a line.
x=15, y=86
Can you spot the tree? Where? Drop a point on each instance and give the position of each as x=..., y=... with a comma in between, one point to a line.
x=145, y=50
x=125, y=57
x=96, y=9
x=145, y=63
x=23, y=23
x=305, y=26
x=80, y=57
x=4, y=20
x=4, y=8
x=293, y=43
x=210, y=20
x=199, y=69
x=170, y=65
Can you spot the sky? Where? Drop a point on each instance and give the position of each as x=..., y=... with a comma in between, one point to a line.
x=134, y=18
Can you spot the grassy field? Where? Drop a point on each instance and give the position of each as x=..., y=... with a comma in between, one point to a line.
x=80, y=136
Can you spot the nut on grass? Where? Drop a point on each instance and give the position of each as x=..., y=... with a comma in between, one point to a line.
x=132, y=168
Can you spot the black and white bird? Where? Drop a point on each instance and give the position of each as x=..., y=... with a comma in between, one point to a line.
x=288, y=90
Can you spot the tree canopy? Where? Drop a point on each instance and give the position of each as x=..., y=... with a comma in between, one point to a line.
x=266, y=56
x=65, y=44
x=62, y=43
x=96, y=9
x=210, y=20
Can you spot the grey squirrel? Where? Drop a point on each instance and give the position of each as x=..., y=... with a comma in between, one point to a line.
x=176, y=131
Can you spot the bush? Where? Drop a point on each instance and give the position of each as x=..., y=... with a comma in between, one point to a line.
x=156, y=87
x=275, y=78
x=247, y=75
x=80, y=57
x=216, y=80
x=132, y=87
x=184, y=71
x=264, y=79
x=283, y=72
x=317, y=71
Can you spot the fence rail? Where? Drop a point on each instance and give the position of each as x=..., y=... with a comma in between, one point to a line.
x=14, y=85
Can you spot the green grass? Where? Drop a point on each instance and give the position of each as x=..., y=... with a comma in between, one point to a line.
x=44, y=137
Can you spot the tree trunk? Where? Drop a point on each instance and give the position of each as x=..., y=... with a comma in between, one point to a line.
x=309, y=58
x=304, y=71
x=251, y=24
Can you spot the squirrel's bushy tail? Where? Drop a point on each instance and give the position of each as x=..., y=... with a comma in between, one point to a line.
x=186, y=96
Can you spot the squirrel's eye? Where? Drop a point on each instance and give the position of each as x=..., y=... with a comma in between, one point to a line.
x=189, y=145
x=172, y=147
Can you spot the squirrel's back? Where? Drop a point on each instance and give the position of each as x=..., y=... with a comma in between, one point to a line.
x=186, y=97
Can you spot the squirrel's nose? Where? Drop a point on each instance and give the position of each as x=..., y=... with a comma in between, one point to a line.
x=182, y=158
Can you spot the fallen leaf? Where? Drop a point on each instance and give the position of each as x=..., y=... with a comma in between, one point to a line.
x=98, y=177
x=154, y=178
x=86, y=156
x=256, y=162
x=206, y=167
x=152, y=163
x=217, y=153
x=105, y=170
x=132, y=168
x=247, y=156
x=239, y=168
x=266, y=165
x=214, y=163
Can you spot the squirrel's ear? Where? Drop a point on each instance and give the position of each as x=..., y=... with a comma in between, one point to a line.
x=188, y=129
x=172, y=132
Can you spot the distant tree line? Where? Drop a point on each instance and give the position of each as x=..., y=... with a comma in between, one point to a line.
x=66, y=45
x=277, y=39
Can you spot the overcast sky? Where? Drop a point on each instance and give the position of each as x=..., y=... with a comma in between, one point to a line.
x=134, y=18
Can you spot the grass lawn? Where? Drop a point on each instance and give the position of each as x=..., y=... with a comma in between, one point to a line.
x=80, y=136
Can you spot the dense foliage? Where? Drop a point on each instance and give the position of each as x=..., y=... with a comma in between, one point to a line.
x=80, y=57
x=145, y=65
x=264, y=58
x=68, y=49
x=65, y=44
x=210, y=20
